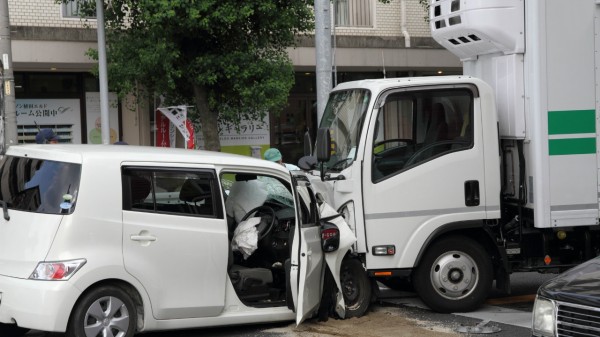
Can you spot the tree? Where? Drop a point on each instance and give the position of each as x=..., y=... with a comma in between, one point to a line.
x=228, y=57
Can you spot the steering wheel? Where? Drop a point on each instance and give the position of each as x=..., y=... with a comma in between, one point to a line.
x=264, y=227
x=339, y=163
x=391, y=140
x=420, y=152
x=387, y=141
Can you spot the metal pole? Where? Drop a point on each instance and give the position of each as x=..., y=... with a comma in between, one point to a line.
x=105, y=126
x=9, y=119
x=333, y=60
x=323, y=54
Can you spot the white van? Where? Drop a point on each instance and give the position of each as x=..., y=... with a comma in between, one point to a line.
x=114, y=240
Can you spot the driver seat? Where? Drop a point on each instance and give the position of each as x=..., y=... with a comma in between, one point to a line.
x=250, y=284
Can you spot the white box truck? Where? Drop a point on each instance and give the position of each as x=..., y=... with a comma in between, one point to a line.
x=454, y=182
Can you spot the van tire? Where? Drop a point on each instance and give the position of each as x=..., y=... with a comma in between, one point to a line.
x=99, y=299
x=12, y=330
x=356, y=288
x=455, y=275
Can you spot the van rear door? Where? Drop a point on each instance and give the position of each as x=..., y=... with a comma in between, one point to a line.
x=37, y=193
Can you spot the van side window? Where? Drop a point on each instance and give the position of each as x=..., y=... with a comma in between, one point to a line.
x=178, y=192
x=414, y=127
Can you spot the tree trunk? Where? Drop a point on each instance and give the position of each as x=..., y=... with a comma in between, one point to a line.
x=208, y=119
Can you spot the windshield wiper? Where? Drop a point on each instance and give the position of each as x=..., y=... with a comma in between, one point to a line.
x=5, y=210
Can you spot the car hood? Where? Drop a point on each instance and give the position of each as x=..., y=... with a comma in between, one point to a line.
x=25, y=240
x=578, y=285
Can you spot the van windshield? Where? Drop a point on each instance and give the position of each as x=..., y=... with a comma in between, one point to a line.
x=41, y=186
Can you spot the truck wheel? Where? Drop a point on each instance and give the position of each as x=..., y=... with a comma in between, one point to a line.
x=12, y=330
x=104, y=311
x=356, y=288
x=455, y=275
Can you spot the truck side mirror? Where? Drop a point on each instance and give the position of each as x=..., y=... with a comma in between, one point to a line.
x=323, y=145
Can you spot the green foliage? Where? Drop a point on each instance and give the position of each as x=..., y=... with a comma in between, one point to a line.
x=233, y=51
x=425, y=4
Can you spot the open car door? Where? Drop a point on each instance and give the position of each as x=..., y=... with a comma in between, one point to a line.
x=307, y=260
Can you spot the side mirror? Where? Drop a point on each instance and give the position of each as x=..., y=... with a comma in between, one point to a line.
x=323, y=145
x=330, y=237
x=307, y=144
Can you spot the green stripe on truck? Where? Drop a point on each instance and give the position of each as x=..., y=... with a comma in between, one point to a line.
x=571, y=121
x=559, y=147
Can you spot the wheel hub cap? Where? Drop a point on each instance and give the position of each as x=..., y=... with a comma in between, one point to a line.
x=454, y=275
x=107, y=316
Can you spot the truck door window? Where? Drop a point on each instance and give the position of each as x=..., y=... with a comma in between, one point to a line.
x=415, y=127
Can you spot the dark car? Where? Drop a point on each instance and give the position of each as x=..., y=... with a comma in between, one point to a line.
x=569, y=304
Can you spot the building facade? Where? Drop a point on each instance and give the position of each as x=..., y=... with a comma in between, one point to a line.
x=55, y=88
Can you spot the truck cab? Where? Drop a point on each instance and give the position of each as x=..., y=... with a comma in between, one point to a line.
x=411, y=159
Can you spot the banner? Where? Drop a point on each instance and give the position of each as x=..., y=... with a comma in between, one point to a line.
x=191, y=143
x=166, y=135
x=178, y=116
x=163, y=126
x=93, y=119
x=62, y=115
x=250, y=133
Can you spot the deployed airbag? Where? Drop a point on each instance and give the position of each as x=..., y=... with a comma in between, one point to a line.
x=245, y=237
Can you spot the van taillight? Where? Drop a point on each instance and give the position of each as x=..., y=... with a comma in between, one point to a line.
x=330, y=237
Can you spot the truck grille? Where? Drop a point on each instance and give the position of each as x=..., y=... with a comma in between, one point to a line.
x=577, y=320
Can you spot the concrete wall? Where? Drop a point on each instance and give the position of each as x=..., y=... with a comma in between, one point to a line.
x=42, y=13
x=46, y=13
x=387, y=21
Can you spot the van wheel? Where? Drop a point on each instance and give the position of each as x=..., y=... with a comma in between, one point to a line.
x=12, y=330
x=455, y=275
x=104, y=311
x=356, y=288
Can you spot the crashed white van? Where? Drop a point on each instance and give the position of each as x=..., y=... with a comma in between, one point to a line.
x=104, y=240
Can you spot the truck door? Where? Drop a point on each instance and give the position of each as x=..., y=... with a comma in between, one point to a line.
x=307, y=261
x=423, y=169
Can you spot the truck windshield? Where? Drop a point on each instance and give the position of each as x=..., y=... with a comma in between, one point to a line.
x=41, y=186
x=344, y=115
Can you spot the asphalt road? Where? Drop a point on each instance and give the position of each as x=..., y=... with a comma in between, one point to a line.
x=524, y=287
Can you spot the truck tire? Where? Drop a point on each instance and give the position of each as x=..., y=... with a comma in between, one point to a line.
x=455, y=275
x=356, y=288
x=12, y=330
x=104, y=311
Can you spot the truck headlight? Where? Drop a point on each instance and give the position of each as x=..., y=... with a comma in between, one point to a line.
x=57, y=270
x=543, y=317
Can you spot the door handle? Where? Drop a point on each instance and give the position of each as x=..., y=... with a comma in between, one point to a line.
x=143, y=238
x=471, y=193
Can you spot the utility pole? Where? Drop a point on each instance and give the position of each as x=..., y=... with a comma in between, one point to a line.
x=102, y=69
x=8, y=120
x=323, y=54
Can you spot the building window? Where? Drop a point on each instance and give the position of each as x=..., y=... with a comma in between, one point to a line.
x=72, y=9
x=353, y=13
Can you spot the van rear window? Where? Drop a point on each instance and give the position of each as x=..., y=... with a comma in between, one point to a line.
x=41, y=186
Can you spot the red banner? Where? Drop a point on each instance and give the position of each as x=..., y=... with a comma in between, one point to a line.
x=163, y=126
x=191, y=143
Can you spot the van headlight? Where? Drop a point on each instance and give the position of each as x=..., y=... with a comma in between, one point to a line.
x=543, y=317
x=57, y=270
